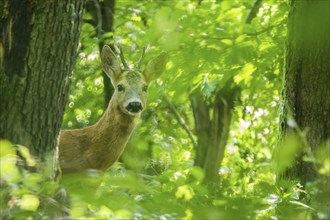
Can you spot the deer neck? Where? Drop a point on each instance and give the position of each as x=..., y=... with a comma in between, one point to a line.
x=115, y=122
x=110, y=136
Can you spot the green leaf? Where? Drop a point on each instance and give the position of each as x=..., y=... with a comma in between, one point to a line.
x=29, y=202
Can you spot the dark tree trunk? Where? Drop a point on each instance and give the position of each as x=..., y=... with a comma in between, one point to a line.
x=212, y=132
x=38, y=45
x=307, y=84
x=202, y=120
x=220, y=127
x=107, y=11
x=103, y=19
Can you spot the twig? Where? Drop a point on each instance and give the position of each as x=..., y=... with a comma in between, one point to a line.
x=180, y=120
x=253, y=11
x=247, y=33
x=266, y=29
x=98, y=25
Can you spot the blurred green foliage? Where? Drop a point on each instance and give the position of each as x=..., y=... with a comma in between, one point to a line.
x=207, y=43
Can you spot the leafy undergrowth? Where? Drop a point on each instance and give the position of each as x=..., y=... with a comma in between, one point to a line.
x=174, y=194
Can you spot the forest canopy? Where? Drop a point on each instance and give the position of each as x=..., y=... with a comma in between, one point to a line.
x=209, y=144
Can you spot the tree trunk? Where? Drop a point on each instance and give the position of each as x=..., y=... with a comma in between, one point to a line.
x=220, y=127
x=202, y=120
x=102, y=19
x=306, y=110
x=38, y=46
x=107, y=11
x=212, y=132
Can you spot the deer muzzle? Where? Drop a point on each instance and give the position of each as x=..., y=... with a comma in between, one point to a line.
x=134, y=107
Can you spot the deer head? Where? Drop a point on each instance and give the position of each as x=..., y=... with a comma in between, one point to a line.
x=131, y=85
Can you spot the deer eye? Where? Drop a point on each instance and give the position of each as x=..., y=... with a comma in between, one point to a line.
x=120, y=88
x=145, y=88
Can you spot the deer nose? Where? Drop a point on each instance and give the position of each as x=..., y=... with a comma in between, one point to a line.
x=134, y=107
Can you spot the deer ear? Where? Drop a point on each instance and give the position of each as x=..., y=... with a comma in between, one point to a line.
x=110, y=63
x=155, y=67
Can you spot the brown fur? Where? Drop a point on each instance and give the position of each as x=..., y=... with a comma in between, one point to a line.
x=97, y=146
x=100, y=145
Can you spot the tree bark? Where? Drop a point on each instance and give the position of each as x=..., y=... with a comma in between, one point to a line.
x=306, y=84
x=103, y=19
x=38, y=45
x=107, y=11
x=220, y=127
x=201, y=112
x=212, y=132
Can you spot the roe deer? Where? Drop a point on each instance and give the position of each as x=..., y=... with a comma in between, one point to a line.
x=100, y=145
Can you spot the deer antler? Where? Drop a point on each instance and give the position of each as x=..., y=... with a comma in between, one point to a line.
x=143, y=53
x=121, y=54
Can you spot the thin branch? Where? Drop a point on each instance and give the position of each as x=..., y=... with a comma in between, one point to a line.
x=89, y=21
x=99, y=19
x=180, y=120
x=98, y=25
x=218, y=38
x=247, y=33
x=266, y=29
x=253, y=11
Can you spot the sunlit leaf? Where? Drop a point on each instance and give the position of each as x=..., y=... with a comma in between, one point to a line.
x=6, y=148
x=24, y=151
x=198, y=173
x=245, y=74
x=8, y=169
x=185, y=192
x=29, y=202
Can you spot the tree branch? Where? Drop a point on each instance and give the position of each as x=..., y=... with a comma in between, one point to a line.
x=270, y=27
x=253, y=11
x=96, y=12
x=266, y=29
x=180, y=120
